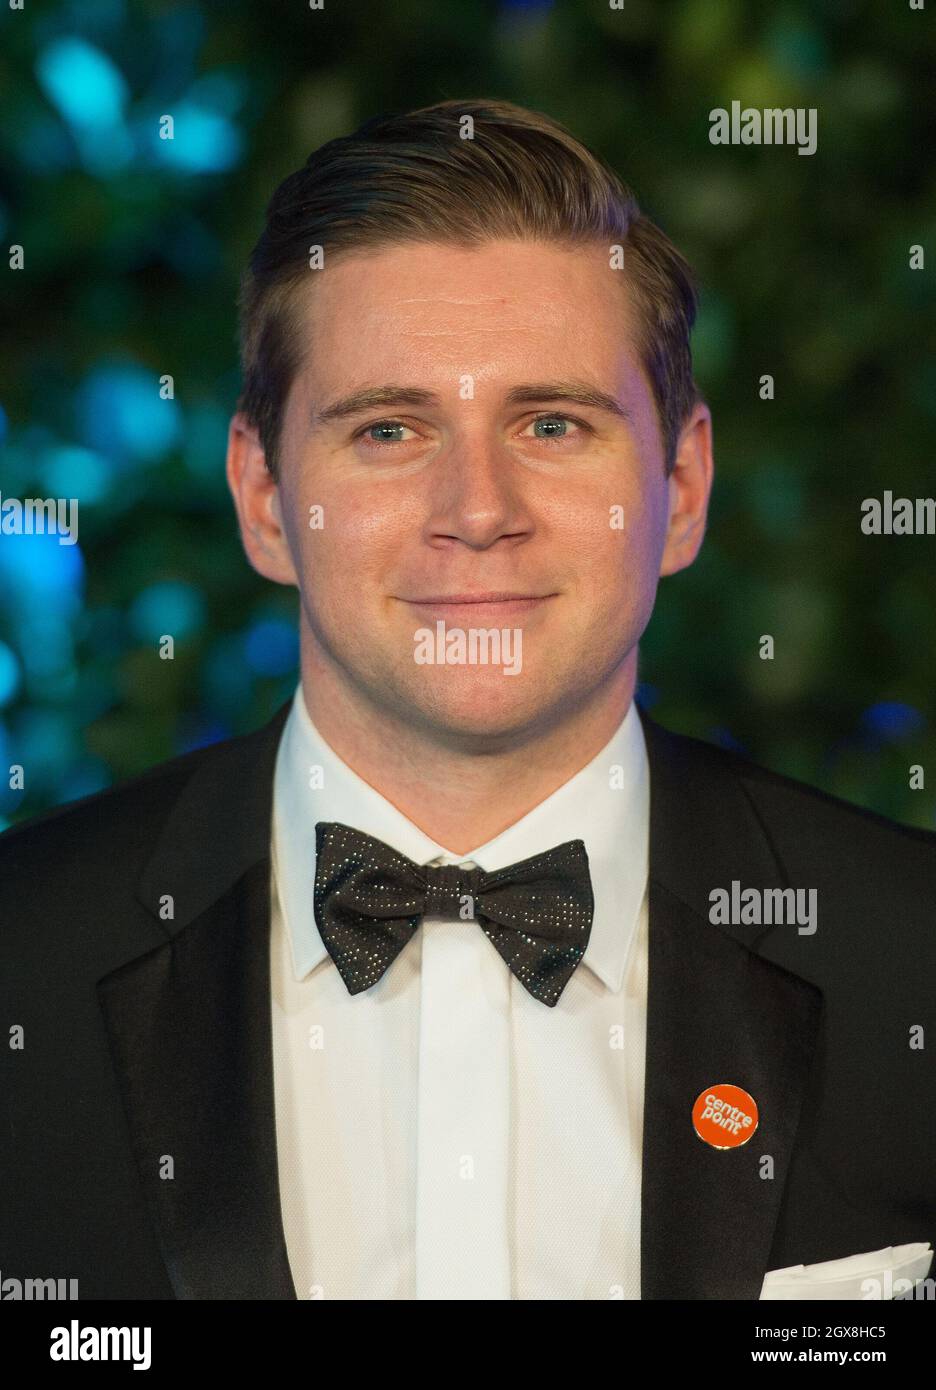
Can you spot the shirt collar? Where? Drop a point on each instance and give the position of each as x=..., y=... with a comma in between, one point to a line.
x=605, y=804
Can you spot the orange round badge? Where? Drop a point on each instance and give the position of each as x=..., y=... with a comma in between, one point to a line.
x=724, y=1116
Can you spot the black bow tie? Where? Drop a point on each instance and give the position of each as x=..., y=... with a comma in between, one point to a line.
x=369, y=900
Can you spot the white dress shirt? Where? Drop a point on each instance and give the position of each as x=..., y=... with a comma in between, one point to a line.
x=443, y=1134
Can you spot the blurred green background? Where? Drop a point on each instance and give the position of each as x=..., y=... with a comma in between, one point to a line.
x=133, y=247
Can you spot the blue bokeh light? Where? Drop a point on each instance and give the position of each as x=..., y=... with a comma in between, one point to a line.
x=89, y=93
x=198, y=731
x=43, y=742
x=226, y=679
x=892, y=721
x=203, y=141
x=646, y=694
x=36, y=569
x=121, y=414
x=71, y=471
x=85, y=777
x=82, y=83
x=271, y=646
x=171, y=607
x=9, y=674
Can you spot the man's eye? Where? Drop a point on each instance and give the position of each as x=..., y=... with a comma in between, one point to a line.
x=548, y=427
x=385, y=432
x=555, y=426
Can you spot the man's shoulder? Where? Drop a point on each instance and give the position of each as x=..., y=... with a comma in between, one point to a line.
x=805, y=819
x=107, y=828
x=114, y=827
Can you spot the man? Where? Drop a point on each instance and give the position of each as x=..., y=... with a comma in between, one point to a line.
x=265, y=1048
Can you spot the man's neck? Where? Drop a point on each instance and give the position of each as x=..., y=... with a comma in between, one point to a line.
x=459, y=798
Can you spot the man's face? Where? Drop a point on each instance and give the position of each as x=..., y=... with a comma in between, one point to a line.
x=559, y=509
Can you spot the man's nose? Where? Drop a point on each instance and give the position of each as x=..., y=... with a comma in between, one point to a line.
x=477, y=495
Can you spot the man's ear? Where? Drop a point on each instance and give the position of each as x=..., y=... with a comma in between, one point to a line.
x=690, y=485
x=257, y=500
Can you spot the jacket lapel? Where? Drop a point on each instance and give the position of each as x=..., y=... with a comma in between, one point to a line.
x=717, y=1012
x=189, y=1026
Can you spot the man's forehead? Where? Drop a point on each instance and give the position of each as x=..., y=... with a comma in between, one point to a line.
x=530, y=287
x=435, y=345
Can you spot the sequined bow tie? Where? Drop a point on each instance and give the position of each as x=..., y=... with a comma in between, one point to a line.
x=369, y=900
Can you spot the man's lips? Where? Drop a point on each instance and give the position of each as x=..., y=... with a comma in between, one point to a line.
x=489, y=604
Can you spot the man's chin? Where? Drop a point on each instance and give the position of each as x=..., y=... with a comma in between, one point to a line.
x=478, y=707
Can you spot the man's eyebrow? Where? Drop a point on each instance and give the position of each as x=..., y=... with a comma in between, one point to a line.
x=382, y=397
x=579, y=392
x=373, y=398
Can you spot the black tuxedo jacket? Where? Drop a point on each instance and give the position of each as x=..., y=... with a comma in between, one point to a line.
x=147, y=1040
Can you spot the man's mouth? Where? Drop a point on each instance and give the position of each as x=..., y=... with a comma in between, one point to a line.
x=483, y=605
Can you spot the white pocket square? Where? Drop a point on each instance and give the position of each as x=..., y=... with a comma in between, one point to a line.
x=886, y=1273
